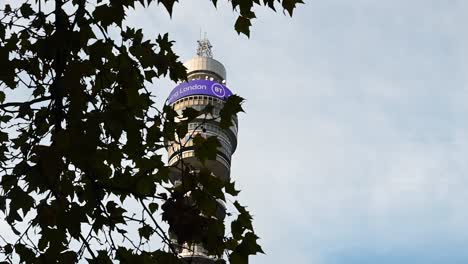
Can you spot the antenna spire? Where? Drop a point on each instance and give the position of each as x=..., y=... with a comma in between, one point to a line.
x=204, y=47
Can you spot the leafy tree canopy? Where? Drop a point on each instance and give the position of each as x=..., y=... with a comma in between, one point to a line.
x=87, y=140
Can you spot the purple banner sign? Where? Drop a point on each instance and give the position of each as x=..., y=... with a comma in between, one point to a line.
x=199, y=87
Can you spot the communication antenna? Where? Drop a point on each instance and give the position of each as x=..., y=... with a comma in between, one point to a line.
x=204, y=48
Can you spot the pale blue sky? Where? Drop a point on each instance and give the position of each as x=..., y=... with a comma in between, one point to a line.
x=354, y=145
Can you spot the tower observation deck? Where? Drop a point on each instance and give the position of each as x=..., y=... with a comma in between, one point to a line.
x=206, y=85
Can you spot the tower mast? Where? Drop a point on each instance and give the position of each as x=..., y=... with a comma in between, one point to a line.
x=204, y=48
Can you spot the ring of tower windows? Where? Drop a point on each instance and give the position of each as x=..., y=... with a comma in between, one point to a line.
x=187, y=143
x=201, y=100
x=205, y=75
x=198, y=102
x=221, y=152
x=226, y=138
x=212, y=128
x=189, y=153
x=207, y=129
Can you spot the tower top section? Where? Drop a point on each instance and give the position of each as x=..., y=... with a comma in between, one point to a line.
x=203, y=66
x=204, y=48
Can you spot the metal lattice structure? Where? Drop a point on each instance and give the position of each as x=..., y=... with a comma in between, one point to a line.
x=204, y=48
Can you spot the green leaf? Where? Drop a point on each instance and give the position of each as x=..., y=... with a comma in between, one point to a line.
x=26, y=254
x=7, y=9
x=238, y=258
x=2, y=31
x=190, y=113
x=3, y=136
x=149, y=75
x=20, y=200
x=182, y=129
x=243, y=221
x=8, y=249
x=205, y=149
x=116, y=213
x=249, y=244
x=109, y=14
x=26, y=10
x=145, y=231
x=5, y=118
x=125, y=255
x=232, y=106
x=2, y=203
x=270, y=4
x=77, y=216
x=68, y=257
x=290, y=5
x=43, y=242
x=242, y=25
x=212, y=184
x=153, y=207
x=168, y=4
x=160, y=256
x=145, y=186
x=102, y=258
x=237, y=229
x=230, y=189
x=25, y=110
x=247, y=247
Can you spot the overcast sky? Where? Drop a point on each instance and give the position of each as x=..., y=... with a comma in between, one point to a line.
x=354, y=145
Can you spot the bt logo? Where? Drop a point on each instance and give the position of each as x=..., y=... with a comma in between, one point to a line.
x=218, y=90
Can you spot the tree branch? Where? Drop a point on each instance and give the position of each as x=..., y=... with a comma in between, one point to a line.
x=18, y=104
x=85, y=242
x=165, y=238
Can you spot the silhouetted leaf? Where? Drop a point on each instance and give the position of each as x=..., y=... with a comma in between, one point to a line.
x=232, y=106
x=168, y=4
x=7, y=9
x=153, y=207
x=242, y=25
x=205, y=149
x=146, y=231
x=190, y=113
x=26, y=10
x=230, y=189
x=290, y=5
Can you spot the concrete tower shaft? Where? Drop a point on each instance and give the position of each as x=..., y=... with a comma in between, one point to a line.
x=206, y=85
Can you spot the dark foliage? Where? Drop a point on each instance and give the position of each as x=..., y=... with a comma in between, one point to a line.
x=88, y=140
